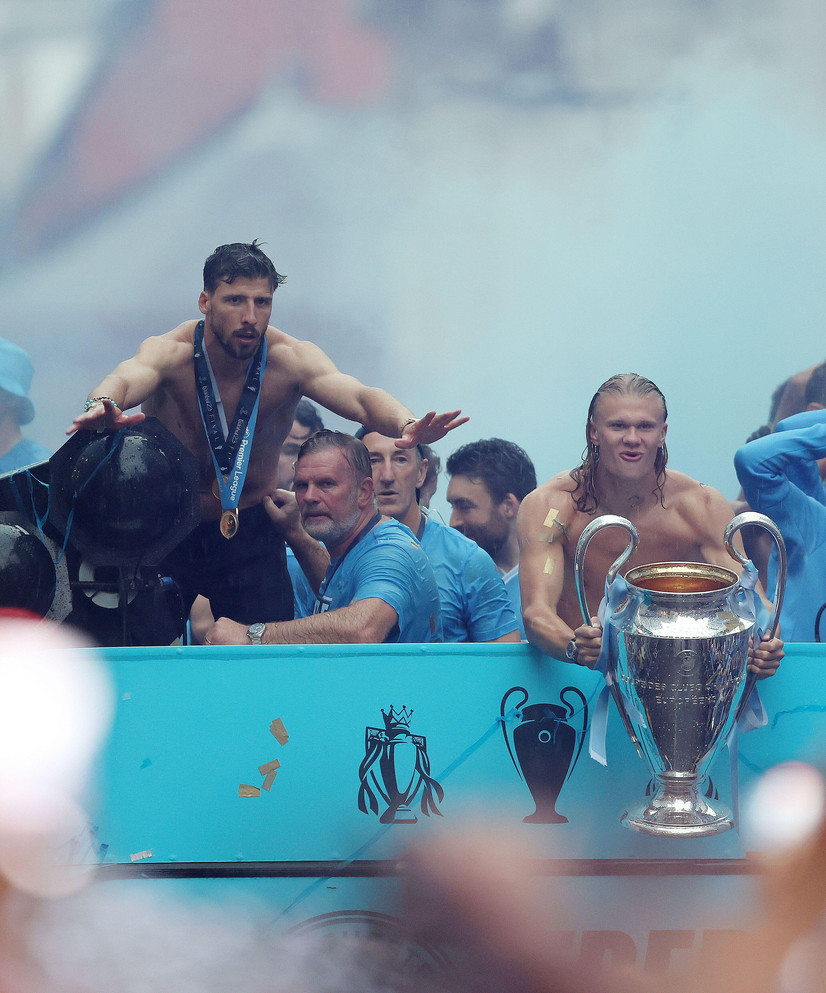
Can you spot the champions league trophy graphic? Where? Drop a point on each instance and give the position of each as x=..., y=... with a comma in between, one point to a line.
x=544, y=748
x=396, y=766
x=678, y=639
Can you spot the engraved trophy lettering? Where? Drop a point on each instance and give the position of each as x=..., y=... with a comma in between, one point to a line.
x=678, y=643
x=396, y=767
x=544, y=747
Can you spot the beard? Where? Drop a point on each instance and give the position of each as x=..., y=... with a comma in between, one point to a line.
x=490, y=541
x=236, y=349
x=328, y=530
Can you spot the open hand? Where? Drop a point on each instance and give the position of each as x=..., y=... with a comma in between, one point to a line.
x=104, y=414
x=430, y=428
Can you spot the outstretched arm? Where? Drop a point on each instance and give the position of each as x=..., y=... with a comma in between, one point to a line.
x=311, y=555
x=132, y=382
x=429, y=428
x=375, y=408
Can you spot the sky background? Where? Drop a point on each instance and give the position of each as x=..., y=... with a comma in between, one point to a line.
x=486, y=204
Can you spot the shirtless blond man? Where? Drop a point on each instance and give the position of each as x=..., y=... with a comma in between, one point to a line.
x=624, y=473
x=239, y=283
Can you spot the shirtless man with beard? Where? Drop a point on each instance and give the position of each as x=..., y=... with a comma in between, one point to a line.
x=240, y=566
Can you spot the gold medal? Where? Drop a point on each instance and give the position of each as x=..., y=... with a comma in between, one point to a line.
x=229, y=523
x=215, y=491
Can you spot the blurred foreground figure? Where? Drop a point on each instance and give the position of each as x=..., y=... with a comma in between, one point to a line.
x=55, y=706
x=486, y=908
x=487, y=911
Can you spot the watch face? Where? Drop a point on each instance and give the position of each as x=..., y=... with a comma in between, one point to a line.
x=254, y=632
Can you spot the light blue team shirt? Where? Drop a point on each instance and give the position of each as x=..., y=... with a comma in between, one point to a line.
x=475, y=605
x=24, y=453
x=388, y=564
x=780, y=477
x=511, y=581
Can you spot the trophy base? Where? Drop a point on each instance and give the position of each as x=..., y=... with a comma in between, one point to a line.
x=677, y=810
x=402, y=814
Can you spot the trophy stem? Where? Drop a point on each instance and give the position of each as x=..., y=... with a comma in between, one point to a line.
x=677, y=809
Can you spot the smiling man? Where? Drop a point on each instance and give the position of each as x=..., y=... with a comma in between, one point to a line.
x=378, y=586
x=623, y=472
x=475, y=605
x=489, y=479
x=228, y=386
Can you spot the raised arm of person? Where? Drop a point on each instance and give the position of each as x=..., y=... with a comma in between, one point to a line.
x=711, y=514
x=132, y=382
x=364, y=622
x=541, y=576
x=375, y=408
x=310, y=554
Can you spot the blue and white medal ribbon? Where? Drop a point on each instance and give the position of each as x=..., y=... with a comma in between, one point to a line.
x=229, y=445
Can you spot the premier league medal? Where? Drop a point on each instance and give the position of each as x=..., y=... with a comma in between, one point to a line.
x=215, y=491
x=229, y=523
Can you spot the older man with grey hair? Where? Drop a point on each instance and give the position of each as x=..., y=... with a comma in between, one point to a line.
x=378, y=586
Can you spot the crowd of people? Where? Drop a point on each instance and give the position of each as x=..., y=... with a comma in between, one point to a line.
x=313, y=535
x=310, y=535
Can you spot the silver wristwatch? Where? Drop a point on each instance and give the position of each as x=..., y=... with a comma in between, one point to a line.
x=570, y=650
x=254, y=632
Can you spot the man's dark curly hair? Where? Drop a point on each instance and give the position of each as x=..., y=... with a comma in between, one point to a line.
x=501, y=465
x=239, y=261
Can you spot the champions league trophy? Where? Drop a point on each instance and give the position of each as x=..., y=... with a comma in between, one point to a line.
x=545, y=747
x=677, y=643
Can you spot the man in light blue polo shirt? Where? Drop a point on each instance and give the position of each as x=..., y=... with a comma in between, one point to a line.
x=378, y=585
x=475, y=606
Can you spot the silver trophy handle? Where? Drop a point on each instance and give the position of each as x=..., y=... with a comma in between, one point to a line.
x=741, y=521
x=734, y=525
x=588, y=532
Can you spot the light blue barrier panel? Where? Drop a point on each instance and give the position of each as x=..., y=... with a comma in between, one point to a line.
x=194, y=733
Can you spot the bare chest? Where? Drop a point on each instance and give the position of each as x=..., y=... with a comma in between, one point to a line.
x=176, y=406
x=663, y=537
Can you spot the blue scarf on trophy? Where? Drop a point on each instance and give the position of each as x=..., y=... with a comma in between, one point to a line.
x=620, y=601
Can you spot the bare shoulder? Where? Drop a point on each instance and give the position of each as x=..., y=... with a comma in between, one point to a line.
x=699, y=502
x=554, y=495
x=302, y=358
x=167, y=352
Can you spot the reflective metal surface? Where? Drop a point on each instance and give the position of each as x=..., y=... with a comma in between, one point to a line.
x=678, y=675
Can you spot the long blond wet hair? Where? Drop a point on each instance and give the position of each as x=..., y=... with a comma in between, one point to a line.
x=585, y=494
